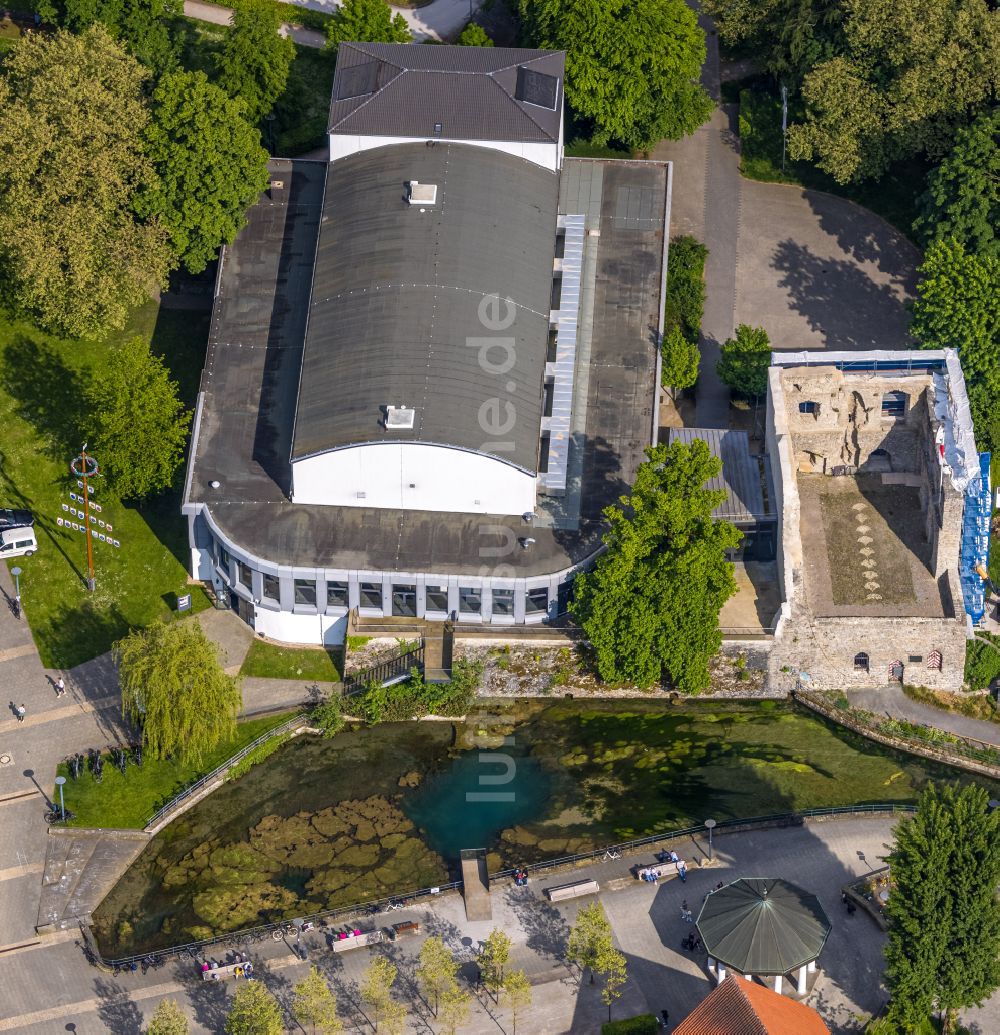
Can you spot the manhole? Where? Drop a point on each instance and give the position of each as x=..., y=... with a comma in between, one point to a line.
x=5, y=759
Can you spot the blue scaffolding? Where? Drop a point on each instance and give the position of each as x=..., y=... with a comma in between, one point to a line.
x=975, y=549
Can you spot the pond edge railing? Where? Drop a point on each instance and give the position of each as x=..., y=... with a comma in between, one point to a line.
x=379, y=907
x=298, y=719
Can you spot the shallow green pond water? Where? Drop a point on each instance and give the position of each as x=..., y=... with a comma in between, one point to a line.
x=379, y=811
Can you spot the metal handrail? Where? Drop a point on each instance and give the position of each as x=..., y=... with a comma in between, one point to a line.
x=228, y=764
x=376, y=906
x=392, y=667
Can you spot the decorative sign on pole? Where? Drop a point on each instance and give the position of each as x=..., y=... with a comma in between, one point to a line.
x=184, y=602
x=85, y=467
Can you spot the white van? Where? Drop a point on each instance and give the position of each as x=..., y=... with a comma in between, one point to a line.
x=18, y=542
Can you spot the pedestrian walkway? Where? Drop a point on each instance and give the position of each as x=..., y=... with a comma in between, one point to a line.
x=216, y=15
x=893, y=702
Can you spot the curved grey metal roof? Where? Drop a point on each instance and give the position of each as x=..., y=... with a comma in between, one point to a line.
x=398, y=292
x=761, y=925
x=472, y=93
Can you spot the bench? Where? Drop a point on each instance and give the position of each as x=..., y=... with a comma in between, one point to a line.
x=580, y=887
x=406, y=927
x=220, y=973
x=355, y=941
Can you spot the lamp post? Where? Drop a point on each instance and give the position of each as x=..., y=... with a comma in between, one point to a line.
x=60, y=780
x=16, y=572
x=709, y=826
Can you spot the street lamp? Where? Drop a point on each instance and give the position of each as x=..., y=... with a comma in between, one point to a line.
x=709, y=826
x=60, y=780
x=16, y=572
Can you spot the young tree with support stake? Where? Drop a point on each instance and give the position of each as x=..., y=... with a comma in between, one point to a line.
x=943, y=947
x=493, y=957
x=436, y=970
x=316, y=1006
x=168, y=1019
x=516, y=994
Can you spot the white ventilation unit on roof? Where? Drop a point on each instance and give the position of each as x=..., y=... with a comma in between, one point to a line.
x=399, y=418
x=421, y=193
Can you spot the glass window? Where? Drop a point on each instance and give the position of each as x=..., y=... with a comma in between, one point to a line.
x=246, y=575
x=894, y=404
x=371, y=595
x=336, y=594
x=809, y=407
x=224, y=559
x=271, y=587
x=305, y=592
x=537, y=600
x=861, y=662
x=503, y=601
x=404, y=601
x=470, y=601
x=436, y=598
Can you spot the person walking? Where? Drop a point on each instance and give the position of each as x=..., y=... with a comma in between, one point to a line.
x=20, y=712
x=60, y=687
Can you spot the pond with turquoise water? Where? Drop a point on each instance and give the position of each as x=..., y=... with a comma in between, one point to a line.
x=378, y=811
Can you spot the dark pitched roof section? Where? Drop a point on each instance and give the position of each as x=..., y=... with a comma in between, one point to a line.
x=398, y=290
x=472, y=93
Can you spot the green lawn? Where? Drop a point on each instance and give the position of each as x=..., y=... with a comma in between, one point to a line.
x=269, y=661
x=894, y=196
x=41, y=412
x=126, y=801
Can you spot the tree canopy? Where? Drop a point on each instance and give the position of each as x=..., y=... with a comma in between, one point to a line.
x=680, y=360
x=173, y=685
x=71, y=165
x=313, y=1004
x=963, y=192
x=591, y=947
x=632, y=70
x=367, y=21
x=209, y=163
x=254, y=1011
x=168, y=1019
x=910, y=73
x=376, y=991
x=651, y=605
x=436, y=971
x=474, y=35
x=745, y=359
x=139, y=425
x=141, y=25
x=254, y=60
x=943, y=948
x=956, y=307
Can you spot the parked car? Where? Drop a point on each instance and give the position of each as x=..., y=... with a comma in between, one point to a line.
x=16, y=518
x=18, y=542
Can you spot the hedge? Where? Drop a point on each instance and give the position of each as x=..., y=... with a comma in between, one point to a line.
x=686, y=286
x=644, y=1024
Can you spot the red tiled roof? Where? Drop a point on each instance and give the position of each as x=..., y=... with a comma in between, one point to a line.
x=741, y=1007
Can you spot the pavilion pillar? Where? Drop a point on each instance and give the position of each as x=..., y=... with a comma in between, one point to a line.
x=777, y=983
x=720, y=972
x=812, y=966
x=802, y=979
x=749, y=977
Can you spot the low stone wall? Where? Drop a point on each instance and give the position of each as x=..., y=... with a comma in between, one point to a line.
x=936, y=753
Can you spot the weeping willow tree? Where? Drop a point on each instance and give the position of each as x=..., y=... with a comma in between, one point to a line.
x=174, y=688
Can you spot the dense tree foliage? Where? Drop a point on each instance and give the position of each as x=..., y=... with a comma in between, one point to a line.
x=168, y=1019
x=651, y=605
x=909, y=75
x=963, y=192
x=141, y=25
x=315, y=1006
x=209, y=163
x=437, y=971
x=474, y=35
x=744, y=361
x=174, y=687
x=139, y=425
x=943, y=948
x=680, y=360
x=367, y=21
x=632, y=70
x=956, y=307
x=71, y=165
x=254, y=1011
x=686, y=285
x=254, y=60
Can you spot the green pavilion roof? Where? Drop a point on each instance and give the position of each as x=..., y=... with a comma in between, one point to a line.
x=762, y=925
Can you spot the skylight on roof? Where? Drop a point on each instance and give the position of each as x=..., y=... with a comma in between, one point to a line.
x=536, y=88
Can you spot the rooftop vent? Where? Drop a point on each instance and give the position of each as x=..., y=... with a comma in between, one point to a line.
x=421, y=193
x=399, y=418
